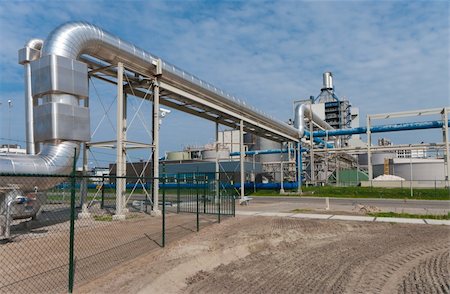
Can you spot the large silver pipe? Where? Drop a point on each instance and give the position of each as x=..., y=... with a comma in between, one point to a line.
x=301, y=112
x=69, y=42
x=74, y=39
x=54, y=159
x=58, y=122
x=31, y=52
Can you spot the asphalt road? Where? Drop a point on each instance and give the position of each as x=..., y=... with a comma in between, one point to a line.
x=431, y=204
x=350, y=203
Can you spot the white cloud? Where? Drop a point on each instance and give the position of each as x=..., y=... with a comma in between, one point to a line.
x=386, y=56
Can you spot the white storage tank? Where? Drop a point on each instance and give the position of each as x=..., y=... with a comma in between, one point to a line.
x=266, y=144
x=211, y=154
x=178, y=155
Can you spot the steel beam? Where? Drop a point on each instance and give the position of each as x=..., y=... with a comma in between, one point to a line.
x=421, y=112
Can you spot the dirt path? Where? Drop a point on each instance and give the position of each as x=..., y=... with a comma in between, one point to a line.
x=273, y=255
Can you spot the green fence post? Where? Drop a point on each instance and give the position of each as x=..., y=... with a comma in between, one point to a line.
x=163, y=213
x=234, y=205
x=178, y=193
x=219, y=207
x=72, y=224
x=204, y=194
x=198, y=217
x=102, y=204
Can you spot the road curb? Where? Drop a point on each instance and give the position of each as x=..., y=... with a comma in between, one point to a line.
x=346, y=217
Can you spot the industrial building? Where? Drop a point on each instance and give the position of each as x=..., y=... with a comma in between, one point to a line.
x=318, y=145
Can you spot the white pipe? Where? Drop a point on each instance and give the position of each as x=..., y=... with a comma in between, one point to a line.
x=35, y=44
x=302, y=110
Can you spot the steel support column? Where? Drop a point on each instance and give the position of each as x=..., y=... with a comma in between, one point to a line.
x=311, y=140
x=217, y=168
x=241, y=156
x=447, y=147
x=369, y=150
x=155, y=162
x=121, y=156
x=299, y=166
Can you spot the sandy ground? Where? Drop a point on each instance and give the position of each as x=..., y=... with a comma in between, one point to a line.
x=36, y=259
x=286, y=255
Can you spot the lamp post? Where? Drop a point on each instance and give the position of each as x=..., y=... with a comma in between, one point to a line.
x=9, y=122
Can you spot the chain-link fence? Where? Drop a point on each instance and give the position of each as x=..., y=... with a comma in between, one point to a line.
x=54, y=239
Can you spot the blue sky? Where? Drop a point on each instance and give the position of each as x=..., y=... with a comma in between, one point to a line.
x=385, y=55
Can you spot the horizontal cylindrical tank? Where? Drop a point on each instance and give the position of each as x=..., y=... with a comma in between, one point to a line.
x=178, y=155
x=212, y=154
x=266, y=144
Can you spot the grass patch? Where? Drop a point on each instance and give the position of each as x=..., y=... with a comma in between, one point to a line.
x=410, y=215
x=366, y=192
x=103, y=218
x=300, y=210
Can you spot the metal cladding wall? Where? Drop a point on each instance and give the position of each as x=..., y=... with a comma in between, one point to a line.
x=422, y=169
x=377, y=158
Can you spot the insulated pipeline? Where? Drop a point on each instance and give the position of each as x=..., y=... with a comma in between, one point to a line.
x=54, y=159
x=74, y=39
x=35, y=44
x=301, y=112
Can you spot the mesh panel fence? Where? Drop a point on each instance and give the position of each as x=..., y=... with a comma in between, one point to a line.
x=34, y=249
x=38, y=227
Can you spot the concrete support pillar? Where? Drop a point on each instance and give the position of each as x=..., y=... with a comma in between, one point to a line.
x=241, y=157
x=369, y=150
x=121, y=156
x=447, y=147
x=155, y=210
x=84, y=190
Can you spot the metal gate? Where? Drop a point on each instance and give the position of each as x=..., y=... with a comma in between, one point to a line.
x=204, y=194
